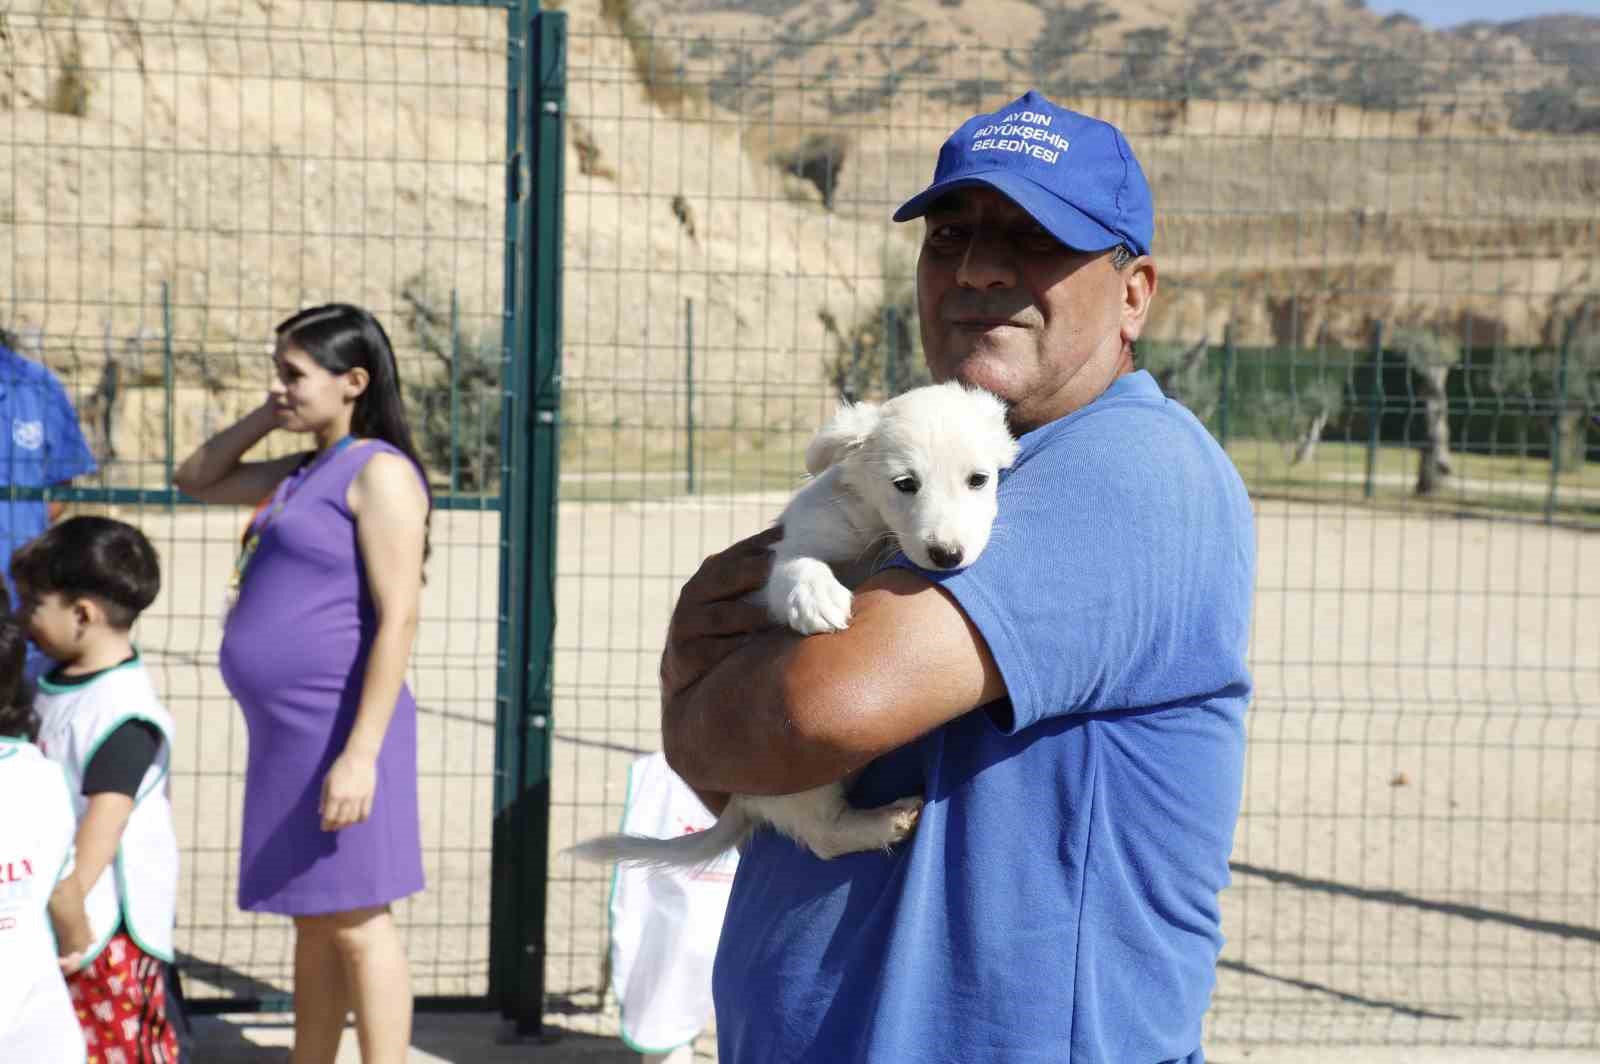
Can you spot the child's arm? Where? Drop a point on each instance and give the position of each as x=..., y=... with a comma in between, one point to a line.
x=99, y=833
x=110, y=782
x=71, y=923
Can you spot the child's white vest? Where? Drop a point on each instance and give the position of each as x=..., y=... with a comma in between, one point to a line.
x=141, y=885
x=36, y=828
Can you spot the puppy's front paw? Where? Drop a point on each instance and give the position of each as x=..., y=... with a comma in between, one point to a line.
x=902, y=817
x=819, y=604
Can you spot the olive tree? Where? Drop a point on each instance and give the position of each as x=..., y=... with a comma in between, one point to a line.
x=1430, y=357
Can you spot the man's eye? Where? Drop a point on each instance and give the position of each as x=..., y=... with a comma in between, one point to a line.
x=977, y=480
x=907, y=485
x=1039, y=238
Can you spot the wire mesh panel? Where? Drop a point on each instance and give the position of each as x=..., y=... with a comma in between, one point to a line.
x=180, y=175
x=1378, y=287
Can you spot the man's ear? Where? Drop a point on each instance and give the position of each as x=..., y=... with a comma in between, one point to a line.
x=847, y=430
x=1138, y=291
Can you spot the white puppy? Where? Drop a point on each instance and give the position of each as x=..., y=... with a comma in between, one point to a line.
x=918, y=472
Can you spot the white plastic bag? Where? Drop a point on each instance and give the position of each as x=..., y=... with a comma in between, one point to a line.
x=665, y=921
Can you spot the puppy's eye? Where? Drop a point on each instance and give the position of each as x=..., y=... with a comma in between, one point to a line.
x=977, y=480
x=907, y=484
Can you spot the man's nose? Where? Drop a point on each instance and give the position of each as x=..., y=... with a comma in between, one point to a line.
x=988, y=263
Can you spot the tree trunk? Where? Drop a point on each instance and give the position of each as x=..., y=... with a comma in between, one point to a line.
x=1573, y=420
x=1306, y=447
x=1434, y=462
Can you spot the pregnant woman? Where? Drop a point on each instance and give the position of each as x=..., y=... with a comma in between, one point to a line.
x=323, y=612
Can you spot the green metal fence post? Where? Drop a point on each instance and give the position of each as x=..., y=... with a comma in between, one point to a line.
x=1228, y=355
x=455, y=394
x=1374, y=408
x=891, y=353
x=507, y=897
x=538, y=419
x=1556, y=441
x=170, y=385
x=688, y=383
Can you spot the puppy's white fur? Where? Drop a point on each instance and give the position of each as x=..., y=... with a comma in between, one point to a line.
x=918, y=472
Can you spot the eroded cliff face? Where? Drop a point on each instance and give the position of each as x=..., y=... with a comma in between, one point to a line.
x=258, y=156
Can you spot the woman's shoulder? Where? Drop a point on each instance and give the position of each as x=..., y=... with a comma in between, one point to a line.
x=385, y=469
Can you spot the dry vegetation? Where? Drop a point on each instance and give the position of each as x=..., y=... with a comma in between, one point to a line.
x=257, y=156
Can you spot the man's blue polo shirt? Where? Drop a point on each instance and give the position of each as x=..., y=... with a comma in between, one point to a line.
x=1058, y=901
x=40, y=445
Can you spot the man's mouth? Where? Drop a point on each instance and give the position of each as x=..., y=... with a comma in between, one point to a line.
x=983, y=323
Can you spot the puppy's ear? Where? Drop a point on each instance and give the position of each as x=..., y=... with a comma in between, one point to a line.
x=1002, y=446
x=847, y=430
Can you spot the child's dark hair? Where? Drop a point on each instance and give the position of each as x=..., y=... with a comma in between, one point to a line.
x=92, y=557
x=17, y=718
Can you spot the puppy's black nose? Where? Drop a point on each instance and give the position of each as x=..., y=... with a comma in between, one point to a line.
x=944, y=557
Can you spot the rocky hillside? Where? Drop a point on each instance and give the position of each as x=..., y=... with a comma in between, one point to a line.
x=1316, y=166
x=1328, y=50
x=253, y=157
x=1569, y=101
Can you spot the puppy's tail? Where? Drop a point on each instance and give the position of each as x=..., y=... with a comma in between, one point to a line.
x=685, y=851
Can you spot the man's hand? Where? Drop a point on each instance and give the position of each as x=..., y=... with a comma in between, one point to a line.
x=711, y=618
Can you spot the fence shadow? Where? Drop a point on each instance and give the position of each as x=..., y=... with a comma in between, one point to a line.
x=1401, y=899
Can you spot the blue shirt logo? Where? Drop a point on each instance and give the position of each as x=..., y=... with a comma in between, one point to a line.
x=28, y=435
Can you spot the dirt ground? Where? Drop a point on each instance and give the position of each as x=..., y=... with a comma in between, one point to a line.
x=1416, y=859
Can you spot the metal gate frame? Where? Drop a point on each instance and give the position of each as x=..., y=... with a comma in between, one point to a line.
x=530, y=388
x=536, y=126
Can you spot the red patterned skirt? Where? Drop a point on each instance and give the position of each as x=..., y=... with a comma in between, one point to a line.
x=122, y=1006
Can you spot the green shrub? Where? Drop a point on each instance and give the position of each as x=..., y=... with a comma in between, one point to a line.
x=454, y=404
x=880, y=353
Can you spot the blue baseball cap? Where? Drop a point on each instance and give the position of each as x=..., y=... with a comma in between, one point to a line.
x=1074, y=174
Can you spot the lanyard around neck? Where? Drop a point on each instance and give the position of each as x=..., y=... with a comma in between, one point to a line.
x=290, y=485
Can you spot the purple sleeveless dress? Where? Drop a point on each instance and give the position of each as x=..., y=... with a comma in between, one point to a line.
x=294, y=654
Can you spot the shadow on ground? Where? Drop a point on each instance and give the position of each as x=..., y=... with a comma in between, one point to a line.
x=478, y=1038
x=218, y=1039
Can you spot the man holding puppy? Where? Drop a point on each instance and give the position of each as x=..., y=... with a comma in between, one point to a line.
x=1071, y=706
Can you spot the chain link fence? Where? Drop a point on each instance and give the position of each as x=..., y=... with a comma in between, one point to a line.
x=180, y=176
x=1379, y=288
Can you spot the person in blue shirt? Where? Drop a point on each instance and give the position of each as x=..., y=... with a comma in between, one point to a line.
x=1070, y=706
x=41, y=445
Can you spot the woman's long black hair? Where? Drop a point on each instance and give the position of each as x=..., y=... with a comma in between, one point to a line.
x=341, y=337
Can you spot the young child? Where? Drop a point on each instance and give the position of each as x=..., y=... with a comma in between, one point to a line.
x=82, y=584
x=36, y=885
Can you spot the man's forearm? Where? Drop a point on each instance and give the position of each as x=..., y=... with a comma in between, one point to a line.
x=765, y=711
